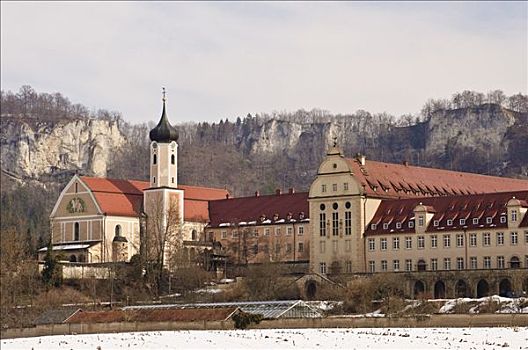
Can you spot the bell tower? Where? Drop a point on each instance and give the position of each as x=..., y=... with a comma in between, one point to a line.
x=163, y=202
x=164, y=152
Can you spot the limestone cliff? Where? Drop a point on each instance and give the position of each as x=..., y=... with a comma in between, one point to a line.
x=43, y=150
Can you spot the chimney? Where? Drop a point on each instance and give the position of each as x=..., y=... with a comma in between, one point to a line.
x=406, y=163
x=361, y=159
x=291, y=190
x=257, y=193
x=278, y=192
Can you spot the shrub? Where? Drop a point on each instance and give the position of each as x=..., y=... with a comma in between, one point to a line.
x=243, y=319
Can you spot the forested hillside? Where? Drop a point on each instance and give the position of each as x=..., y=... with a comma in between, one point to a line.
x=45, y=139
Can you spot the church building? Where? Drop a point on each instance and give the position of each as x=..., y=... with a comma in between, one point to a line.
x=99, y=220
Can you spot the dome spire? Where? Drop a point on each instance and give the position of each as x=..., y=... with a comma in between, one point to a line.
x=164, y=131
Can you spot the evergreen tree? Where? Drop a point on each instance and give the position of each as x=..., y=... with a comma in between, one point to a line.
x=51, y=274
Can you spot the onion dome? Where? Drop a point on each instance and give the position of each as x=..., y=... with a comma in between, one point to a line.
x=164, y=131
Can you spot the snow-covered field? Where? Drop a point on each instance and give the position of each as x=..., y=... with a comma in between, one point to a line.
x=356, y=338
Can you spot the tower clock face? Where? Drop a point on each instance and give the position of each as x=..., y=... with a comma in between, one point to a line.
x=154, y=145
x=173, y=145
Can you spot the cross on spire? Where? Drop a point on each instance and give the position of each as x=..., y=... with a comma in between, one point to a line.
x=164, y=98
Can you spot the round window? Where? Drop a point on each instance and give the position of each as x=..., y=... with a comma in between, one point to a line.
x=335, y=206
x=322, y=207
x=347, y=205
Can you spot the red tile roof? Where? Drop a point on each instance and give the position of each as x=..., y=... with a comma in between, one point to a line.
x=387, y=180
x=468, y=207
x=153, y=315
x=125, y=197
x=247, y=209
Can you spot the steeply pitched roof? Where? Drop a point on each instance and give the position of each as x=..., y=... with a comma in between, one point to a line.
x=467, y=207
x=251, y=209
x=387, y=180
x=125, y=197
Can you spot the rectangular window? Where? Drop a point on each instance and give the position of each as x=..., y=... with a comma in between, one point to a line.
x=398, y=225
x=383, y=244
x=277, y=231
x=436, y=223
x=487, y=262
x=348, y=245
x=323, y=189
x=334, y=246
x=489, y=220
x=526, y=239
x=408, y=242
x=462, y=222
x=473, y=262
x=411, y=224
x=500, y=262
x=345, y=186
x=396, y=243
x=322, y=268
x=420, y=220
x=255, y=233
x=503, y=219
x=301, y=247
x=348, y=266
x=500, y=238
x=449, y=222
x=475, y=221
x=460, y=240
x=486, y=239
x=447, y=263
x=348, y=223
x=434, y=241
x=372, y=266
x=335, y=224
x=224, y=234
x=514, y=215
x=322, y=224
x=513, y=238
x=277, y=248
x=473, y=239
x=371, y=244
x=460, y=263
x=288, y=247
x=322, y=247
x=383, y=265
x=434, y=264
x=334, y=187
x=289, y=231
x=447, y=241
x=300, y=230
x=421, y=242
x=396, y=265
x=234, y=234
x=408, y=265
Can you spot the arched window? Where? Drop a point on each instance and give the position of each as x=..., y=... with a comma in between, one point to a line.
x=118, y=230
x=76, y=232
x=73, y=258
x=154, y=159
x=193, y=235
x=173, y=159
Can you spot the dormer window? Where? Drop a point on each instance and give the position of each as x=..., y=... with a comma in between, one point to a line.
x=420, y=221
x=462, y=221
x=398, y=225
x=503, y=219
x=385, y=226
x=475, y=221
x=488, y=220
x=436, y=223
x=449, y=222
x=513, y=215
x=373, y=226
x=411, y=224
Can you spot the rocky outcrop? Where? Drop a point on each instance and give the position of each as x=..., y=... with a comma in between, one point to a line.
x=40, y=150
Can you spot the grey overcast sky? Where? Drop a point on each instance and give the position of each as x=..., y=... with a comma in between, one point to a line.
x=228, y=59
